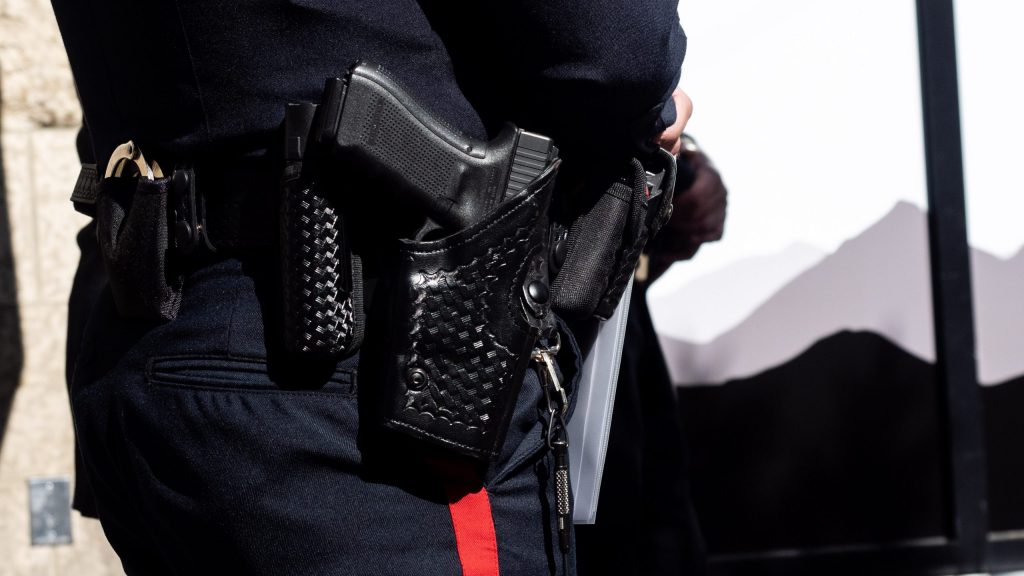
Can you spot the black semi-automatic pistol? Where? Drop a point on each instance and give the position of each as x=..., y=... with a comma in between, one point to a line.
x=371, y=123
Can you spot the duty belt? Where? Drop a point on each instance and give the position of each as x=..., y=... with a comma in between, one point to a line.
x=459, y=305
x=216, y=206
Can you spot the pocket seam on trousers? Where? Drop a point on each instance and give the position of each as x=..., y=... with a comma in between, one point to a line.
x=234, y=374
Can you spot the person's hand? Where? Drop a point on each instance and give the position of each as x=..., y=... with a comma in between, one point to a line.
x=698, y=216
x=670, y=138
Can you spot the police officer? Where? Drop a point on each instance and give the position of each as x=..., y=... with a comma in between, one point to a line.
x=204, y=458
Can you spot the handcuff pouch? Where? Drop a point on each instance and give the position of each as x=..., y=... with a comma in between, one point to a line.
x=133, y=224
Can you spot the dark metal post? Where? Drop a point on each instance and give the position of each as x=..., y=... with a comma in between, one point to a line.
x=951, y=281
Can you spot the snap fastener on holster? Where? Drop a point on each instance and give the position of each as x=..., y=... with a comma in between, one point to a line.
x=538, y=292
x=416, y=379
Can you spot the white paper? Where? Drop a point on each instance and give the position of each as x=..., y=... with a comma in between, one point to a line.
x=591, y=420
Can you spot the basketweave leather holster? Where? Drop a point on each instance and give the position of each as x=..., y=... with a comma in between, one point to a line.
x=465, y=313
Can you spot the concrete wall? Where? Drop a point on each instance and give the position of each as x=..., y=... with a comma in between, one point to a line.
x=39, y=116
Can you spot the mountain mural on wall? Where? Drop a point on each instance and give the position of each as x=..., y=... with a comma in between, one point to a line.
x=745, y=284
x=1004, y=431
x=816, y=451
x=814, y=414
x=998, y=287
x=839, y=446
x=878, y=281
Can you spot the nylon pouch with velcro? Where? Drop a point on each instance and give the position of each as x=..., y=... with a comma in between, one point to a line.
x=464, y=314
x=604, y=241
x=133, y=224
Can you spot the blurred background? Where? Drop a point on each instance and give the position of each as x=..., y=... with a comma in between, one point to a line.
x=39, y=117
x=848, y=358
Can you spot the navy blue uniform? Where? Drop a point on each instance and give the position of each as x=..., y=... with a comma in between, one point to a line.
x=202, y=459
x=189, y=78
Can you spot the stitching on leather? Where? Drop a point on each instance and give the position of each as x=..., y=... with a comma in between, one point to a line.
x=422, y=432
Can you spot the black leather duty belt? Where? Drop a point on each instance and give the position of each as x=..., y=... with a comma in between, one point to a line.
x=213, y=207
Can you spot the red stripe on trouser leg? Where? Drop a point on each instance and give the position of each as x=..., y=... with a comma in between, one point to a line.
x=474, y=532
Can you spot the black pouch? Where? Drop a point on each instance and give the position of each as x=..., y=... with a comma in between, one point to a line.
x=133, y=223
x=603, y=243
x=321, y=277
x=464, y=315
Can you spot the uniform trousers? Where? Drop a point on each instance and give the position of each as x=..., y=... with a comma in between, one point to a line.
x=208, y=456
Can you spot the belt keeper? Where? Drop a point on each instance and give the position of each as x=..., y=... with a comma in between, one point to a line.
x=86, y=188
x=190, y=232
